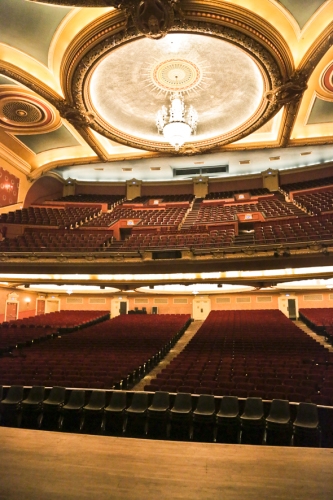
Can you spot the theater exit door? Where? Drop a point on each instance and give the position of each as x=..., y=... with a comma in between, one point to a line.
x=201, y=307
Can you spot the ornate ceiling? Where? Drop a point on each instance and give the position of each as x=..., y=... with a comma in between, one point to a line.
x=81, y=81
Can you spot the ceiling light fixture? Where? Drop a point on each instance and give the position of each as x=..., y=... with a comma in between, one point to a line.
x=178, y=123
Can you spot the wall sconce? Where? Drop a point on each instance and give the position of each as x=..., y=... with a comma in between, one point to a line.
x=27, y=300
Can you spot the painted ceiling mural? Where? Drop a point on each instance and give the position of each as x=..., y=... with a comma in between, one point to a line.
x=81, y=82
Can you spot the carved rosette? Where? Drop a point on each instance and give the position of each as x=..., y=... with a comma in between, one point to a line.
x=21, y=111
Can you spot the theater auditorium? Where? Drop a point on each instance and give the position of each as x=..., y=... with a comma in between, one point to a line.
x=166, y=249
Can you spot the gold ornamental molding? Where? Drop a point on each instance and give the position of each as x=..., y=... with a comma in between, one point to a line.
x=270, y=69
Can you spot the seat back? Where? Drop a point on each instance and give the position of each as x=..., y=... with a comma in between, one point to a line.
x=76, y=398
x=97, y=399
x=14, y=395
x=139, y=401
x=279, y=409
x=307, y=415
x=183, y=402
x=161, y=401
x=118, y=401
x=56, y=396
x=206, y=404
x=254, y=408
x=36, y=395
x=229, y=407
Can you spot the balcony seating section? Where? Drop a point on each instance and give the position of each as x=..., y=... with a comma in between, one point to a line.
x=171, y=216
x=111, y=199
x=317, y=202
x=181, y=239
x=250, y=353
x=294, y=230
x=22, y=332
x=103, y=355
x=224, y=195
x=272, y=208
x=58, y=240
x=165, y=198
x=48, y=216
x=81, y=228
x=298, y=186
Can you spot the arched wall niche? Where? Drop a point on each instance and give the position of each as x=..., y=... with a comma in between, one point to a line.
x=44, y=188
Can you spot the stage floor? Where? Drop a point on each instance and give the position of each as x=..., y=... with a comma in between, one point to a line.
x=40, y=465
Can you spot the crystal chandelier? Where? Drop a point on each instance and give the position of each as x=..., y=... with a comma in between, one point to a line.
x=177, y=123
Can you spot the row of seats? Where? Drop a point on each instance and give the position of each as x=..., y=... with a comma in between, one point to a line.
x=147, y=217
x=113, y=353
x=166, y=198
x=315, y=202
x=58, y=241
x=251, y=353
x=49, y=216
x=110, y=199
x=221, y=195
x=312, y=184
x=156, y=415
x=23, y=332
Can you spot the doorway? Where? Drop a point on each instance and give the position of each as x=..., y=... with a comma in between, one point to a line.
x=40, y=306
x=123, y=307
x=292, y=312
x=11, y=311
x=201, y=308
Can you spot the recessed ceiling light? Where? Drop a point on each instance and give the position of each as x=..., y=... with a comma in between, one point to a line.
x=273, y=158
x=199, y=163
x=155, y=168
x=99, y=169
x=127, y=169
x=244, y=162
x=306, y=153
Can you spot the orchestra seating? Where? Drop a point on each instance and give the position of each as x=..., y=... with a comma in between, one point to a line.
x=106, y=354
x=22, y=332
x=320, y=320
x=251, y=353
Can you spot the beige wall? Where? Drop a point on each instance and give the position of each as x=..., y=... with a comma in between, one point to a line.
x=166, y=304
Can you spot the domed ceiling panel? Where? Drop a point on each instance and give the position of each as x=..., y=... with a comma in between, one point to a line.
x=131, y=83
x=60, y=138
x=7, y=81
x=322, y=112
x=30, y=27
x=302, y=10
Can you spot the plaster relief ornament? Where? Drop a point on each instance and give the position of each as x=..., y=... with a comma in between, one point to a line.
x=152, y=18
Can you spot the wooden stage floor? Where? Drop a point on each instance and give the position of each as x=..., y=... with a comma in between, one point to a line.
x=38, y=465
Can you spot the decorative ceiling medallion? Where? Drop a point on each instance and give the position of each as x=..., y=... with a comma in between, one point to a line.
x=19, y=111
x=125, y=113
x=327, y=79
x=176, y=75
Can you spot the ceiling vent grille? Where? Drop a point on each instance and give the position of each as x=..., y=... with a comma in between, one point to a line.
x=216, y=169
